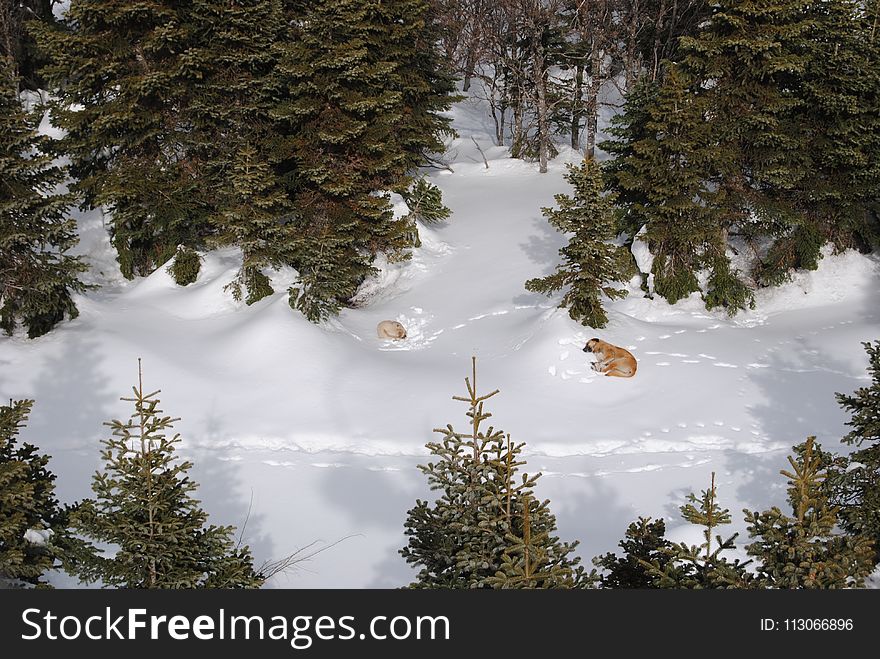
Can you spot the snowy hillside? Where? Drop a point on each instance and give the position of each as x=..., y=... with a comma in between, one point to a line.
x=318, y=429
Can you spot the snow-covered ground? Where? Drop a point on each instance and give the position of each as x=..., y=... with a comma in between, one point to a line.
x=312, y=433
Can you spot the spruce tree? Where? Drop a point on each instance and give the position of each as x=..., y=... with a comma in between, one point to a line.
x=425, y=203
x=361, y=91
x=32, y=524
x=783, y=79
x=230, y=71
x=841, y=91
x=645, y=552
x=805, y=551
x=117, y=68
x=591, y=263
x=486, y=529
x=668, y=172
x=144, y=508
x=859, y=484
x=533, y=560
x=37, y=276
x=701, y=566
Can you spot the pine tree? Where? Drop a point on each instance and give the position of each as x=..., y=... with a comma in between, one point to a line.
x=756, y=59
x=231, y=85
x=701, y=566
x=668, y=173
x=859, y=484
x=32, y=524
x=117, y=67
x=425, y=203
x=646, y=551
x=805, y=551
x=486, y=529
x=841, y=90
x=533, y=560
x=144, y=507
x=591, y=263
x=361, y=88
x=37, y=276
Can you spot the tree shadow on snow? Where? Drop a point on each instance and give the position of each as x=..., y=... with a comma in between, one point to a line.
x=590, y=511
x=374, y=504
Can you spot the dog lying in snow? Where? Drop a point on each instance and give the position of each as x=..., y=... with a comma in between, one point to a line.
x=611, y=360
x=391, y=329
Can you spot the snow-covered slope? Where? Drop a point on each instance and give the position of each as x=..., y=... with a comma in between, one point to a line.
x=317, y=430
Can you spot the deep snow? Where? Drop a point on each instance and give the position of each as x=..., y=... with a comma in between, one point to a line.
x=317, y=430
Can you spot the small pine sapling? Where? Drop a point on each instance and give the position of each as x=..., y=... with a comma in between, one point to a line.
x=144, y=508
x=805, y=551
x=474, y=535
x=860, y=483
x=185, y=267
x=645, y=551
x=592, y=264
x=701, y=566
x=34, y=536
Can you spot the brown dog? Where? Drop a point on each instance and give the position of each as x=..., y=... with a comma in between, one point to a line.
x=391, y=329
x=611, y=360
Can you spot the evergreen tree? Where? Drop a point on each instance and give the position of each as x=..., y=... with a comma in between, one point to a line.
x=858, y=485
x=646, y=551
x=668, y=173
x=32, y=524
x=592, y=264
x=361, y=88
x=486, y=529
x=117, y=67
x=792, y=87
x=533, y=559
x=230, y=70
x=701, y=566
x=145, y=508
x=841, y=90
x=17, y=45
x=37, y=276
x=425, y=203
x=805, y=551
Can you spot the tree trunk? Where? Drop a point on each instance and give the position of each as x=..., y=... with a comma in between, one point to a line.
x=470, y=64
x=593, y=101
x=539, y=79
x=577, y=105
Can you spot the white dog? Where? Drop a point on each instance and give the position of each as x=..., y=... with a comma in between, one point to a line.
x=391, y=329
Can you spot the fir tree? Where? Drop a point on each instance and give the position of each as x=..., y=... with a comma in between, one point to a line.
x=668, y=174
x=117, y=66
x=185, y=266
x=841, y=91
x=32, y=524
x=230, y=70
x=858, y=485
x=805, y=551
x=701, y=566
x=486, y=529
x=144, y=507
x=532, y=560
x=37, y=276
x=592, y=264
x=361, y=88
x=425, y=203
x=793, y=113
x=646, y=551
